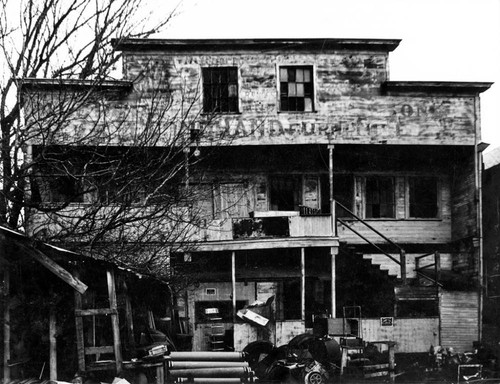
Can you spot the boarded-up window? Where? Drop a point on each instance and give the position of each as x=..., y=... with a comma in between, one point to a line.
x=235, y=200
x=296, y=89
x=203, y=201
x=379, y=197
x=220, y=90
x=423, y=193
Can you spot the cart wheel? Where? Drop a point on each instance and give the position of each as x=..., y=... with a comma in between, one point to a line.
x=314, y=378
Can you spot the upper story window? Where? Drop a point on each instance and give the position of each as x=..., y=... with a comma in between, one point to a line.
x=57, y=189
x=423, y=193
x=220, y=89
x=296, y=89
x=380, y=197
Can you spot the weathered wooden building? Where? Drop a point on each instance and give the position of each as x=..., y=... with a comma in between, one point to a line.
x=491, y=234
x=329, y=191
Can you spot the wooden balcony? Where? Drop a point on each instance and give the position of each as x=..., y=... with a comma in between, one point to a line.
x=270, y=225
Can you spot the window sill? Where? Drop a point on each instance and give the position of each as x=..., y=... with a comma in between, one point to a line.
x=296, y=112
x=220, y=113
x=393, y=219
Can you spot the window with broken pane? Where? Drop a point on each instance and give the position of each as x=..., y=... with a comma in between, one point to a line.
x=296, y=89
x=220, y=89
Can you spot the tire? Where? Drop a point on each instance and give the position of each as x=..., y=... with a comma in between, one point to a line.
x=314, y=378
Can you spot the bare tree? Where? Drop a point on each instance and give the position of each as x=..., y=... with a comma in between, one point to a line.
x=85, y=161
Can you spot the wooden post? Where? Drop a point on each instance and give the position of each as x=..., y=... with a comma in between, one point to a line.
x=333, y=277
x=129, y=318
x=437, y=265
x=303, y=283
x=233, y=283
x=6, y=325
x=392, y=362
x=80, y=337
x=403, y=266
x=114, y=320
x=53, y=344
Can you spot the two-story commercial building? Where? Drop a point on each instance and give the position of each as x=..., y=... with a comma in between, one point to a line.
x=328, y=191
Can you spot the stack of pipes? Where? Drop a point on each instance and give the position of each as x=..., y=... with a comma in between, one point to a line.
x=208, y=367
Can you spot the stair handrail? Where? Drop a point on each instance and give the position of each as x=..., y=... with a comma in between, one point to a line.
x=436, y=265
x=368, y=226
x=369, y=241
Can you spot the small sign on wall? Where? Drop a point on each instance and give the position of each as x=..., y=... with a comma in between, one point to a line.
x=211, y=291
x=387, y=321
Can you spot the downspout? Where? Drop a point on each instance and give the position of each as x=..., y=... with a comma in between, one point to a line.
x=479, y=214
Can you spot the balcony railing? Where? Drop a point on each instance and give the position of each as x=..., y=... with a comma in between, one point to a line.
x=281, y=224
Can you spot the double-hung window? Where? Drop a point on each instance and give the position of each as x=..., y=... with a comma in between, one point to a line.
x=220, y=90
x=380, y=197
x=296, y=89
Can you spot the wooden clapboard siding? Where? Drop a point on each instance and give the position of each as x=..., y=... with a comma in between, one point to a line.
x=410, y=334
x=350, y=104
x=459, y=319
x=464, y=203
x=400, y=231
x=310, y=226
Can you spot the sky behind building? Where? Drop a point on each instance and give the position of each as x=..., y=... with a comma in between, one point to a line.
x=442, y=40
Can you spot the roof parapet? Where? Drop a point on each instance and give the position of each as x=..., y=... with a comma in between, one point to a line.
x=377, y=45
x=74, y=84
x=440, y=87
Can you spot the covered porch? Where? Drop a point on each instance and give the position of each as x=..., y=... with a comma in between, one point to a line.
x=290, y=281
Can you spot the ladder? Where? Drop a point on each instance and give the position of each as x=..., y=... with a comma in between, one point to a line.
x=216, y=330
x=94, y=350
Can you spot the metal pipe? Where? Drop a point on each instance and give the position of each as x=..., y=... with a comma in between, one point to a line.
x=227, y=372
x=233, y=284
x=205, y=356
x=303, y=284
x=208, y=380
x=205, y=364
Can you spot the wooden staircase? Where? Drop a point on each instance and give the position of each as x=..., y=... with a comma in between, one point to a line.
x=427, y=267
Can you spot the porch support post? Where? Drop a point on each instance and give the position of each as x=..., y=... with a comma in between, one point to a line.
x=52, y=344
x=332, y=200
x=233, y=283
x=303, y=283
x=6, y=325
x=333, y=252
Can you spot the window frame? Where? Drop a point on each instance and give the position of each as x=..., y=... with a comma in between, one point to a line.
x=208, y=102
x=312, y=68
x=394, y=197
x=438, y=215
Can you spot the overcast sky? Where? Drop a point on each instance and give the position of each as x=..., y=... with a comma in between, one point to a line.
x=442, y=40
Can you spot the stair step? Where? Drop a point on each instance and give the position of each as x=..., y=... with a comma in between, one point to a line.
x=384, y=263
